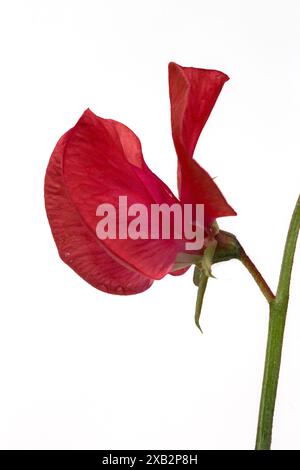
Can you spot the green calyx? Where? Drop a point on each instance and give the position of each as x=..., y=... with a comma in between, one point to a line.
x=227, y=248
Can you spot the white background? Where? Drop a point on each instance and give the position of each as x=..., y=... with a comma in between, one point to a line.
x=81, y=369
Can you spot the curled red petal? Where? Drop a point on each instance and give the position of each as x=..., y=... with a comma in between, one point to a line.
x=102, y=161
x=193, y=93
x=77, y=246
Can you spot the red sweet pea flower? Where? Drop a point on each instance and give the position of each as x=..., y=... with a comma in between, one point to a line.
x=100, y=159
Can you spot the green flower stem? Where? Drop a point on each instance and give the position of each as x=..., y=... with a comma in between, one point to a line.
x=265, y=289
x=278, y=310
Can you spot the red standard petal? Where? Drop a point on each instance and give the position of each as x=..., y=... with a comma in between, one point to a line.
x=102, y=161
x=77, y=246
x=193, y=93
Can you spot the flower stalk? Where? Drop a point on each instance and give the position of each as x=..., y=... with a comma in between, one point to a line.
x=260, y=281
x=277, y=319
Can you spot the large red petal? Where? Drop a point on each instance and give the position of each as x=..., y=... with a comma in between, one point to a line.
x=102, y=161
x=77, y=246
